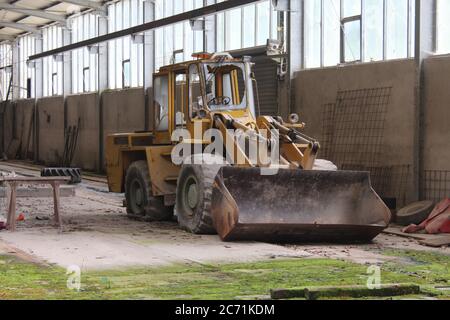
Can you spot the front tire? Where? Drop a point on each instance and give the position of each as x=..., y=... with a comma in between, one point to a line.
x=194, y=192
x=141, y=204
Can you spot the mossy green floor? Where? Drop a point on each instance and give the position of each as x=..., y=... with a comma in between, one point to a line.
x=22, y=280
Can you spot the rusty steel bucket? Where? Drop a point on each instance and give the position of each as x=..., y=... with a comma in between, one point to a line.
x=296, y=206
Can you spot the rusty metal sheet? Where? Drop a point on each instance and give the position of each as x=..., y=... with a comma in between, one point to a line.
x=297, y=206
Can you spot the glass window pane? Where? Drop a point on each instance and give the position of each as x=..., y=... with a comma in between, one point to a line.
x=249, y=26
x=312, y=33
x=351, y=8
x=397, y=29
x=373, y=31
x=352, y=41
x=443, y=26
x=263, y=23
x=233, y=23
x=332, y=32
x=126, y=74
x=220, y=37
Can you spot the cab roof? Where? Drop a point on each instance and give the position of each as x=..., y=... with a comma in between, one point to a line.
x=218, y=57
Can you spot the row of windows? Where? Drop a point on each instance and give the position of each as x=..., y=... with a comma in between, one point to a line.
x=5, y=70
x=84, y=60
x=125, y=55
x=246, y=27
x=52, y=66
x=177, y=42
x=342, y=31
x=27, y=73
x=443, y=26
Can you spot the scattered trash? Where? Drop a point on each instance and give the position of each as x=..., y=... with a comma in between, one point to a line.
x=42, y=218
x=438, y=221
x=21, y=217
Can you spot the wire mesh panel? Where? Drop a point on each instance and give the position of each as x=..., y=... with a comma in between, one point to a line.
x=436, y=185
x=388, y=182
x=327, y=130
x=358, y=129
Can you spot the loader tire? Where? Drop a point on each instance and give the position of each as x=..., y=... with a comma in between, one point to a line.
x=141, y=204
x=193, y=200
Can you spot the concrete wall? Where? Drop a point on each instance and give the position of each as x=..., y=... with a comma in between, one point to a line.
x=7, y=110
x=315, y=88
x=85, y=109
x=437, y=114
x=50, y=113
x=24, y=127
x=122, y=111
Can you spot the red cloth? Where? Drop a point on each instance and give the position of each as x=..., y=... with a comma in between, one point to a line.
x=437, y=222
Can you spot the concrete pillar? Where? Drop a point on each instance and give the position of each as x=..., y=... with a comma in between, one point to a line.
x=15, y=88
x=293, y=46
x=102, y=80
x=67, y=62
x=149, y=62
x=39, y=66
x=425, y=42
x=102, y=55
x=209, y=39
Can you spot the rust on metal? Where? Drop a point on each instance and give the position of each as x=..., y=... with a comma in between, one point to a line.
x=297, y=206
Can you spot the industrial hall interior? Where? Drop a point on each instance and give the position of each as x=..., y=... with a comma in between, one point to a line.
x=256, y=150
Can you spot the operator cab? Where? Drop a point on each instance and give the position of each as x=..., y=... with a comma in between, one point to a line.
x=217, y=83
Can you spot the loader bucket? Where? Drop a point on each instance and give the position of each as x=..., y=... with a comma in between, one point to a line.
x=297, y=206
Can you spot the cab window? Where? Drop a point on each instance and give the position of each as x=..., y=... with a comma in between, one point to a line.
x=195, y=92
x=161, y=102
x=180, y=99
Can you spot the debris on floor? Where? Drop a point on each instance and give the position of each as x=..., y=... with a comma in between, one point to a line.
x=438, y=221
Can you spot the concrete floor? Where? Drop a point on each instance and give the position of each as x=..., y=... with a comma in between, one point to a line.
x=98, y=235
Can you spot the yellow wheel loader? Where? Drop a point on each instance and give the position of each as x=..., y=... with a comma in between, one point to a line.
x=276, y=194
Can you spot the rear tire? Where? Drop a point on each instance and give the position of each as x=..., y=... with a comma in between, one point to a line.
x=140, y=202
x=194, y=192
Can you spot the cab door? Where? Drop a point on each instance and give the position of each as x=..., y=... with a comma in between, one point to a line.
x=162, y=106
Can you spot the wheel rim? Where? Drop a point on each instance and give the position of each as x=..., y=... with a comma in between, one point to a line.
x=137, y=196
x=190, y=195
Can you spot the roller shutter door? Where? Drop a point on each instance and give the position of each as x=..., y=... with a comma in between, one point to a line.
x=266, y=75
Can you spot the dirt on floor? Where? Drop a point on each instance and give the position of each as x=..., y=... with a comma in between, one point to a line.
x=98, y=235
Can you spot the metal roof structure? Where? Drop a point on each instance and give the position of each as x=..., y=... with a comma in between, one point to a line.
x=24, y=16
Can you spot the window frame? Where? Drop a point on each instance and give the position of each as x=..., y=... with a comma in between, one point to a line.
x=346, y=20
x=342, y=46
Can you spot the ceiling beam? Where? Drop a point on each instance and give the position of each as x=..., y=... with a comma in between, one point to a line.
x=33, y=12
x=20, y=26
x=189, y=15
x=85, y=3
x=6, y=37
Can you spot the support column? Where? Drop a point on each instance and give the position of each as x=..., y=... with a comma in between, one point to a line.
x=39, y=67
x=102, y=55
x=102, y=82
x=15, y=88
x=293, y=47
x=149, y=63
x=39, y=88
x=425, y=42
x=67, y=62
